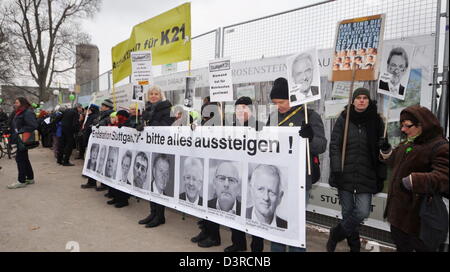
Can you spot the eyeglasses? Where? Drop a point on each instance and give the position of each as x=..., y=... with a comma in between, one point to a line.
x=407, y=126
x=231, y=180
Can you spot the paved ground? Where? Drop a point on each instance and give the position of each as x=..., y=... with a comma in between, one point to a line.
x=49, y=214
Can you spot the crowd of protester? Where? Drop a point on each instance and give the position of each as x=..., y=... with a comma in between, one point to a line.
x=357, y=179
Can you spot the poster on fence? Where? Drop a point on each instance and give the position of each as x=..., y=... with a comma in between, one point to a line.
x=357, y=46
x=395, y=69
x=237, y=177
x=303, y=77
x=220, y=80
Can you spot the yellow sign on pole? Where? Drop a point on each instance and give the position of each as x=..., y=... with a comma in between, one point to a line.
x=167, y=35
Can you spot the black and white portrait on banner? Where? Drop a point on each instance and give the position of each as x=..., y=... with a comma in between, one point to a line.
x=191, y=180
x=225, y=188
x=93, y=154
x=189, y=92
x=111, y=162
x=101, y=159
x=163, y=167
x=395, y=69
x=266, y=191
x=126, y=160
x=303, y=77
x=141, y=170
x=138, y=93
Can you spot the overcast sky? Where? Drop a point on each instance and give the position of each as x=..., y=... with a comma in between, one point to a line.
x=117, y=17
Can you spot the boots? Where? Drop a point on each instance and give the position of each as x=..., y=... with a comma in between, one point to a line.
x=159, y=218
x=353, y=242
x=150, y=217
x=337, y=234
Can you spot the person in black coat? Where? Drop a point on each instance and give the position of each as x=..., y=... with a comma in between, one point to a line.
x=23, y=125
x=156, y=113
x=70, y=126
x=363, y=174
x=119, y=198
x=106, y=109
x=92, y=119
x=244, y=117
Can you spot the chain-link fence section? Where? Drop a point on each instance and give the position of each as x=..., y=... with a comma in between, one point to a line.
x=315, y=26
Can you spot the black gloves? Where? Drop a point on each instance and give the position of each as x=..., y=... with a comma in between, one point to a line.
x=306, y=131
x=140, y=127
x=384, y=145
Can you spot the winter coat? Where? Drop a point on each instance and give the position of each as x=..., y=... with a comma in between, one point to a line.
x=363, y=172
x=70, y=122
x=158, y=114
x=91, y=120
x=24, y=122
x=319, y=143
x=252, y=122
x=104, y=118
x=428, y=167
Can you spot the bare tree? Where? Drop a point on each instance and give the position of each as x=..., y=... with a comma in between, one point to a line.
x=7, y=55
x=46, y=32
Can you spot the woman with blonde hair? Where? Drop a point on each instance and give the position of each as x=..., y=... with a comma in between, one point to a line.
x=156, y=113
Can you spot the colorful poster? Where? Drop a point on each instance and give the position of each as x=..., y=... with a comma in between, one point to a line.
x=303, y=77
x=357, y=46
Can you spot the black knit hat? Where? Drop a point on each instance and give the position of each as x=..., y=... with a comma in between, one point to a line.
x=280, y=89
x=243, y=100
x=406, y=115
x=108, y=103
x=123, y=113
x=360, y=91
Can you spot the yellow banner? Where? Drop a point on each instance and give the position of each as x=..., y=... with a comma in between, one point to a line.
x=168, y=35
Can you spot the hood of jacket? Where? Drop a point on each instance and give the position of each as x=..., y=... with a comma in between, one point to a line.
x=431, y=128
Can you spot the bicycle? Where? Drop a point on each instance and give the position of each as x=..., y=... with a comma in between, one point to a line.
x=6, y=148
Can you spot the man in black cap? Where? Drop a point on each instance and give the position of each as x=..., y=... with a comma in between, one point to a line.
x=295, y=117
x=244, y=117
x=363, y=174
x=105, y=110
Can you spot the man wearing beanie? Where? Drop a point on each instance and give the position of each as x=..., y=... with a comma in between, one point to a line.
x=295, y=117
x=420, y=167
x=363, y=174
x=105, y=110
x=243, y=117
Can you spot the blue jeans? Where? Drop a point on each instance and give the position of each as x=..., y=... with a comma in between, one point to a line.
x=277, y=247
x=355, y=208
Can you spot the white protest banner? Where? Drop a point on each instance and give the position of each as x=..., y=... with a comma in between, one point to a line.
x=220, y=80
x=221, y=174
x=141, y=75
x=395, y=69
x=303, y=77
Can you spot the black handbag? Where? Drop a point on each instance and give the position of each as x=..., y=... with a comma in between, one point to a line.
x=433, y=221
x=28, y=144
